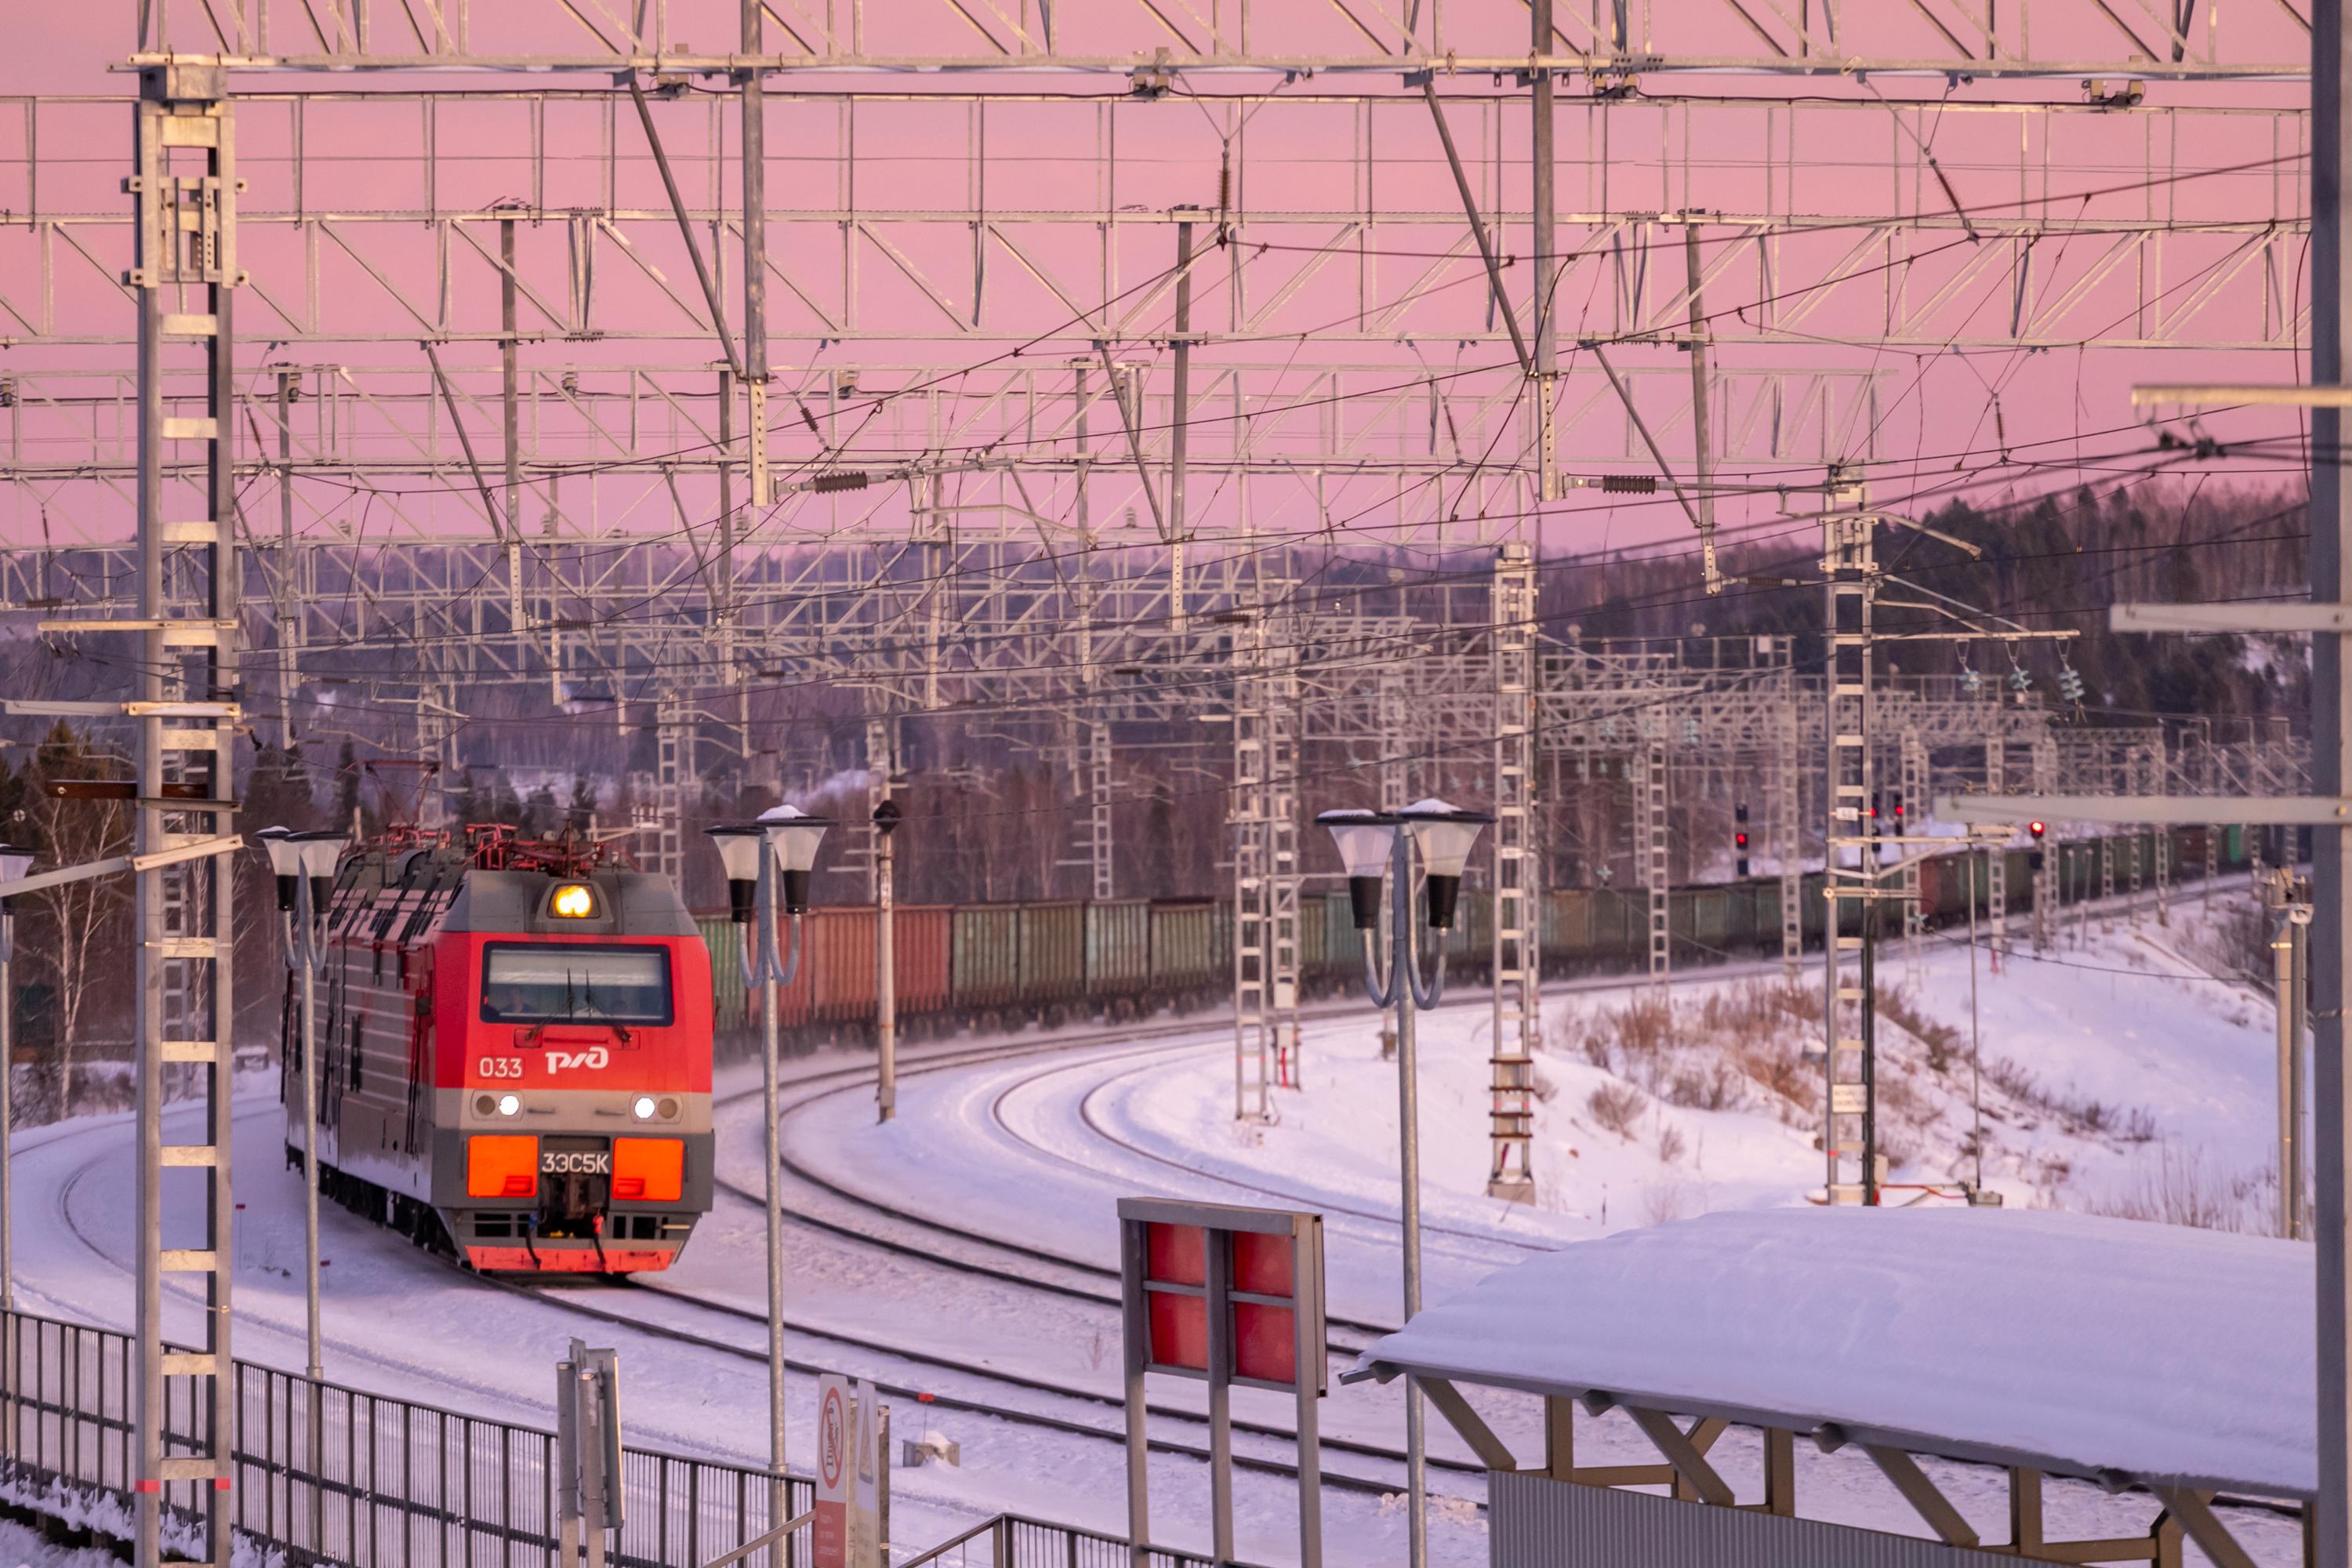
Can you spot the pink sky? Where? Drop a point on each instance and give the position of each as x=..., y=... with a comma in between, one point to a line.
x=1844, y=155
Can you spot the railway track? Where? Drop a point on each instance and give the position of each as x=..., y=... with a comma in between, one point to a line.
x=563, y=1298
x=1002, y=1260
x=1086, y=1287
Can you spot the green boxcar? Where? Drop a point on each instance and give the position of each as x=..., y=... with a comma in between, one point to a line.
x=1119, y=947
x=987, y=971
x=726, y=971
x=1183, y=947
x=1053, y=950
x=1343, y=944
x=1709, y=920
x=1312, y=936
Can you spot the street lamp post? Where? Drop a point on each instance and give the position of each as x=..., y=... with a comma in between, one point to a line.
x=1371, y=846
x=785, y=839
x=886, y=976
x=304, y=864
x=13, y=864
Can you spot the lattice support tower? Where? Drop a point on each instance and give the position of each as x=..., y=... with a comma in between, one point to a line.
x=1996, y=766
x=675, y=779
x=1850, y=567
x=1266, y=861
x=1650, y=831
x=1787, y=771
x=184, y=192
x=2045, y=880
x=1913, y=758
x=1517, y=900
x=1099, y=800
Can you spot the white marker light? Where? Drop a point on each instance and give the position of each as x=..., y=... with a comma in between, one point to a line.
x=508, y=1104
x=644, y=1107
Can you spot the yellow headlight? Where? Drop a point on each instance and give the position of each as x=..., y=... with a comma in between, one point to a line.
x=573, y=901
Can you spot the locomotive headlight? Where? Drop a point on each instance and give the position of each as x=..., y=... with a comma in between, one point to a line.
x=644, y=1108
x=508, y=1104
x=573, y=901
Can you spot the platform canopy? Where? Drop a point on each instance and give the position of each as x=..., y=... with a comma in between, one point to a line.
x=2108, y=1349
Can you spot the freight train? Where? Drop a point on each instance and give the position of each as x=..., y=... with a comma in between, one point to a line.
x=992, y=966
x=514, y=1053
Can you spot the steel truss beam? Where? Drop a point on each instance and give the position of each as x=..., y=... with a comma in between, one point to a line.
x=1151, y=44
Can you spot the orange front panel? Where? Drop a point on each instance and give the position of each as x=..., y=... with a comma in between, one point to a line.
x=648, y=1170
x=501, y=1165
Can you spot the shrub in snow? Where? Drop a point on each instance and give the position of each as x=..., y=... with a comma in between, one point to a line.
x=1617, y=1106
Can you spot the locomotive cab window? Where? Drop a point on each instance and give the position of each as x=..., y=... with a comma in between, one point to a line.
x=553, y=983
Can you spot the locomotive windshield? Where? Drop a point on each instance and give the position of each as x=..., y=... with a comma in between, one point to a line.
x=540, y=983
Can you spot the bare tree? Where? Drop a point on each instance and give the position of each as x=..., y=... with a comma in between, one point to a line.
x=79, y=936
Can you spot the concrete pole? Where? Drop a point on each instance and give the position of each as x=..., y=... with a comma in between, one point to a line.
x=8, y=1113
x=771, y=998
x=886, y=984
x=1416, y=1459
x=288, y=604
x=2331, y=755
x=2290, y=955
x=313, y=1362
x=755, y=258
x=1546, y=207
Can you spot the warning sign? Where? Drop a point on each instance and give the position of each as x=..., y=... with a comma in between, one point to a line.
x=848, y=1529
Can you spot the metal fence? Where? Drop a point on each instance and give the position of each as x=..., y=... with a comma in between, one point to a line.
x=329, y=1474
x=1009, y=1541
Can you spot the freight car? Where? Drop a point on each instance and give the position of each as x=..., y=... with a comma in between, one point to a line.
x=993, y=967
x=514, y=1053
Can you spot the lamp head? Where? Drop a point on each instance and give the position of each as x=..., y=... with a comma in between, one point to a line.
x=740, y=846
x=1444, y=835
x=285, y=863
x=1366, y=840
x=318, y=852
x=886, y=816
x=794, y=835
x=15, y=862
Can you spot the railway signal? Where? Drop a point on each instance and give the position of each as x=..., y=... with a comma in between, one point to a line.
x=1740, y=839
x=885, y=978
x=2035, y=830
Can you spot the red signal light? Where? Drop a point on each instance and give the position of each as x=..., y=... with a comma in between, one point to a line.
x=1740, y=839
x=2035, y=828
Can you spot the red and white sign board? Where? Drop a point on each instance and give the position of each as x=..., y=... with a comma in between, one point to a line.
x=848, y=1526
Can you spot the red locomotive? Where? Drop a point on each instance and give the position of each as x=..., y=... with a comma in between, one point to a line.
x=514, y=1053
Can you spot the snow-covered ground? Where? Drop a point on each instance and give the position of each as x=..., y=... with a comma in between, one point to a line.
x=2116, y=1075
x=2112, y=1074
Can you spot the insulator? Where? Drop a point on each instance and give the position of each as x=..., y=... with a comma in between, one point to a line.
x=843, y=480
x=1629, y=484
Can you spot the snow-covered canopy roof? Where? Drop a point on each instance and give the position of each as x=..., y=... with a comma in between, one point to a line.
x=2102, y=1347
